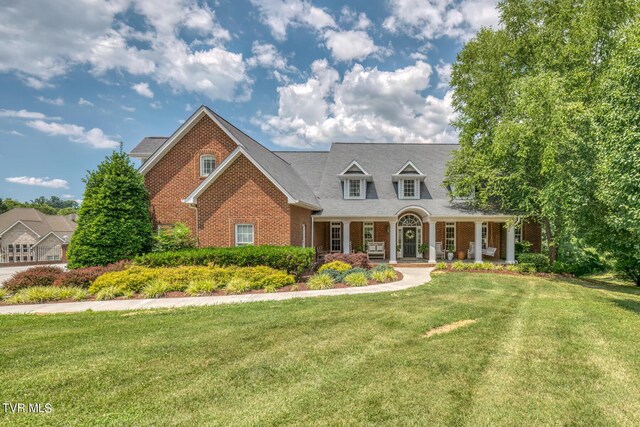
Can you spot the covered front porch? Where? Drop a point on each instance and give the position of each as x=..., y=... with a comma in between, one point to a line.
x=415, y=237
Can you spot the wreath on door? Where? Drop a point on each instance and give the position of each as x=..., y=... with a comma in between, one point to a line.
x=410, y=234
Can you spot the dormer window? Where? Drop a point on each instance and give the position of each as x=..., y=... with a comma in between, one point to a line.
x=354, y=181
x=408, y=178
x=207, y=164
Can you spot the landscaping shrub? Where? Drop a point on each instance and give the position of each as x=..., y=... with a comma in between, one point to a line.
x=159, y=288
x=39, y=294
x=3, y=293
x=320, y=281
x=335, y=265
x=202, y=287
x=576, y=258
x=336, y=275
x=36, y=276
x=174, y=238
x=526, y=268
x=356, y=279
x=111, y=292
x=382, y=267
x=442, y=266
x=357, y=260
x=84, y=277
x=292, y=259
x=384, y=276
x=238, y=285
x=539, y=261
x=262, y=277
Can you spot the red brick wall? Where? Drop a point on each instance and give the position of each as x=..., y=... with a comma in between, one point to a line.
x=532, y=232
x=300, y=216
x=242, y=194
x=355, y=231
x=381, y=234
x=177, y=174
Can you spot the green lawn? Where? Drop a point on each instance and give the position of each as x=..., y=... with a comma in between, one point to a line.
x=542, y=352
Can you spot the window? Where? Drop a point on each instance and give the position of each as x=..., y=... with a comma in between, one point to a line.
x=367, y=233
x=484, y=235
x=244, y=234
x=354, y=189
x=336, y=234
x=450, y=236
x=408, y=189
x=518, y=234
x=207, y=164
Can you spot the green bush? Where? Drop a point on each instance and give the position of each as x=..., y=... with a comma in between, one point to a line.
x=159, y=288
x=111, y=292
x=320, y=281
x=262, y=277
x=382, y=267
x=460, y=266
x=576, y=258
x=202, y=287
x=175, y=238
x=3, y=293
x=39, y=294
x=526, y=268
x=383, y=276
x=336, y=275
x=36, y=276
x=238, y=285
x=442, y=266
x=292, y=259
x=356, y=279
x=539, y=261
x=335, y=265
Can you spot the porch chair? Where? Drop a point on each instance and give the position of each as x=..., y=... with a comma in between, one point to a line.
x=375, y=249
x=439, y=251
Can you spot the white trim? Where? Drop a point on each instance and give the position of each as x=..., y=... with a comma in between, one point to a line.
x=455, y=232
x=204, y=157
x=179, y=133
x=347, y=189
x=332, y=225
x=345, y=175
x=416, y=188
x=47, y=235
x=373, y=232
x=16, y=223
x=414, y=208
x=304, y=235
x=399, y=175
x=253, y=234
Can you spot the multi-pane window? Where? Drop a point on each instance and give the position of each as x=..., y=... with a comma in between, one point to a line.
x=518, y=234
x=244, y=234
x=484, y=235
x=409, y=189
x=354, y=189
x=367, y=233
x=450, y=236
x=207, y=164
x=336, y=237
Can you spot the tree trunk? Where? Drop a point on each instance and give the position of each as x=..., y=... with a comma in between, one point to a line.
x=553, y=251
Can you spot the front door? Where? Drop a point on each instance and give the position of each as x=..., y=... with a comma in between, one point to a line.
x=409, y=242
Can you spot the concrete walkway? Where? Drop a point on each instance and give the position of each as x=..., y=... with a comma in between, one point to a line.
x=412, y=277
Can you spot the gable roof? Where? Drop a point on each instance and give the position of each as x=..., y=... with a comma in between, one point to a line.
x=147, y=146
x=273, y=166
x=38, y=222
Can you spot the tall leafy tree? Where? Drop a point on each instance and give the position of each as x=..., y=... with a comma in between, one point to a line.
x=525, y=96
x=113, y=220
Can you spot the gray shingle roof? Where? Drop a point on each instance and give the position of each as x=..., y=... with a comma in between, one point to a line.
x=148, y=145
x=40, y=223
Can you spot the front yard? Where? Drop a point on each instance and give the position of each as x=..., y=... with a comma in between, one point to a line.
x=542, y=351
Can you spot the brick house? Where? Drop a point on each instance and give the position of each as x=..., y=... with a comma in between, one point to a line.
x=230, y=190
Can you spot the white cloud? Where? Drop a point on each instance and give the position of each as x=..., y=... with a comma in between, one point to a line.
x=350, y=45
x=61, y=36
x=431, y=19
x=143, y=89
x=83, y=101
x=39, y=182
x=278, y=15
x=359, y=21
x=129, y=109
x=12, y=132
x=367, y=104
x=94, y=137
x=156, y=105
x=68, y=196
x=443, y=70
x=56, y=101
x=24, y=114
x=266, y=55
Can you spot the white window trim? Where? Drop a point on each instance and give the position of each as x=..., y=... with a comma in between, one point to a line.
x=202, y=159
x=485, y=235
x=447, y=225
x=253, y=237
x=366, y=225
x=333, y=226
x=518, y=234
x=304, y=235
x=416, y=189
x=363, y=189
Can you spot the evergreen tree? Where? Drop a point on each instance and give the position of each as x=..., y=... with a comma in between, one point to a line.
x=113, y=220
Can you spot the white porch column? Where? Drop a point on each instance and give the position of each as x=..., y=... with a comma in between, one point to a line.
x=346, y=236
x=392, y=242
x=478, y=241
x=432, y=242
x=511, y=244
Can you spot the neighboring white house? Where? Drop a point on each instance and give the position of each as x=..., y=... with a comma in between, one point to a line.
x=28, y=235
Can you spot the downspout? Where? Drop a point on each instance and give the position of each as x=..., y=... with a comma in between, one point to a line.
x=312, y=233
x=195, y=206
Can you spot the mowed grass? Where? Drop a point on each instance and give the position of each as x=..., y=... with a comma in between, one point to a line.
x=542, y=352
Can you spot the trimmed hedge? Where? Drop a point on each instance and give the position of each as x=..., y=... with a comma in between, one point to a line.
x=84, y=277
x=36, y=276
x=335, y=265
x=540, y=261
x=293, y=259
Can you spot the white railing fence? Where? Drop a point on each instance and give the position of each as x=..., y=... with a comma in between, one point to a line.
x=26, y=253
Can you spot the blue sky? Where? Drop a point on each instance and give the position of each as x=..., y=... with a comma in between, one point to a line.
x=79, y=76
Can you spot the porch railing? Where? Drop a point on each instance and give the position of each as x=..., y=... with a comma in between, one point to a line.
x=16, y=254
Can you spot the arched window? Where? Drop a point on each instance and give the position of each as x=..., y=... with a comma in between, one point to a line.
x=409, y=221
x=207, y=164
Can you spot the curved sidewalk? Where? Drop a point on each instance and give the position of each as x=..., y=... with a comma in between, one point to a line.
x=412, y=277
